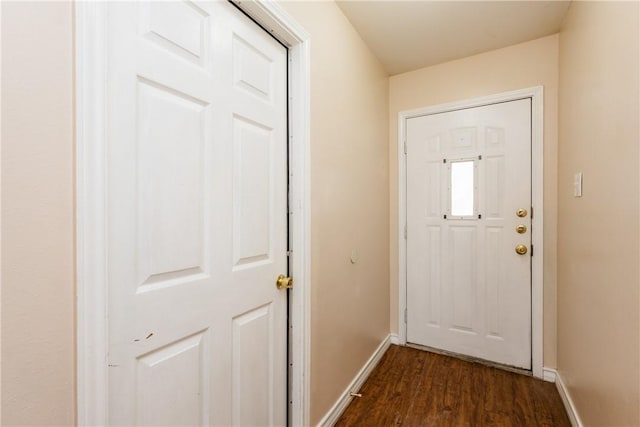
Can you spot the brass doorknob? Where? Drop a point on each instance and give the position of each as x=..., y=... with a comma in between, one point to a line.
x=521, y=249
x=521, y=228
x=284, y=282
x=521, y=212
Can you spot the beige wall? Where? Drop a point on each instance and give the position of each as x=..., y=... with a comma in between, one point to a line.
x=598, y=234
x=520, y=66
x=349, y=206
x=37, y=213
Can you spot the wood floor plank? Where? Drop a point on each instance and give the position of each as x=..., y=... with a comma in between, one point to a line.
x=411, y=388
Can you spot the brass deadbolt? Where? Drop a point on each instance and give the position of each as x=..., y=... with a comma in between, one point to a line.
x=521, y=212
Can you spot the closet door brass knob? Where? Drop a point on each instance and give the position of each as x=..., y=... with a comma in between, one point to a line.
x=521, y=249
x=284, y=282
x=521, y=212
x=521, y=228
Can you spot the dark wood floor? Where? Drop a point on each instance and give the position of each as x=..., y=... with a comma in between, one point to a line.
x=416, y=388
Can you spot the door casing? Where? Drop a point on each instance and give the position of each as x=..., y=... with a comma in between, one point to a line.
x=91, y=255
x=536, y=95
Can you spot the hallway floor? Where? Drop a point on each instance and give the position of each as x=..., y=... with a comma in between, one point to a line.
x=416, y=388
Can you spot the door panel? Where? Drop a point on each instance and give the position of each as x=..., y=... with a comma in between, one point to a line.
x=170, y=254
x=467, y=290
x=252, y=368
x=156, y=382
x=463, y=243
x=197, y=210
x=252, y=194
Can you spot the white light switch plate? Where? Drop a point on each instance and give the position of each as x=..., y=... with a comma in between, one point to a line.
x=577, y=185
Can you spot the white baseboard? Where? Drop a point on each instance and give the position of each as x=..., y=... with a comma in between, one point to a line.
x=345, y=398
x=574, y=418
x=549, y=375
x=395, y=339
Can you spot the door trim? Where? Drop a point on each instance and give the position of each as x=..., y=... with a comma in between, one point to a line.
x=91, y=224
x=537, y=141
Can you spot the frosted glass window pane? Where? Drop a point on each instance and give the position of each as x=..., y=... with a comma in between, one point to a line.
x=462, y=188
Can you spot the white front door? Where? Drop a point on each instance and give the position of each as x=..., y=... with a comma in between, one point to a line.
x=468, y=210
x=197, y=217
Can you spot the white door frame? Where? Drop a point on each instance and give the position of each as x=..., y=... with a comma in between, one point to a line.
x=91, y=225
x=536, y=95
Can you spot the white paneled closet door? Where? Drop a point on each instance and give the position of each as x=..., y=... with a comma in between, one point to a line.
x=197, y=217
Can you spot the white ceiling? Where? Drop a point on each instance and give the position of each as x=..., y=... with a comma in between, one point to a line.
x=407, y=35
